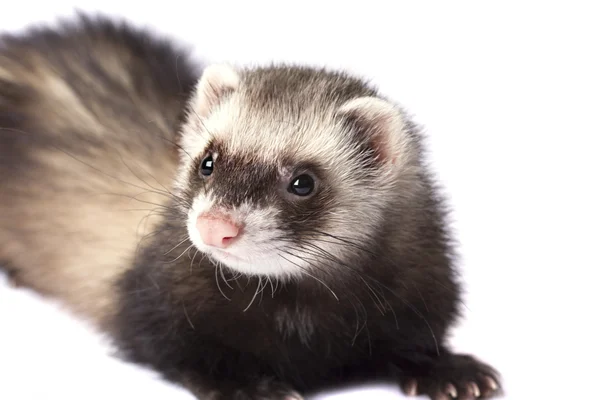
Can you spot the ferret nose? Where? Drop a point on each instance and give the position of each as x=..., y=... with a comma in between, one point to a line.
x=217, y=231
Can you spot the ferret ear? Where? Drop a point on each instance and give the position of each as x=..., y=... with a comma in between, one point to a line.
x=217, y=81
x=382, y=124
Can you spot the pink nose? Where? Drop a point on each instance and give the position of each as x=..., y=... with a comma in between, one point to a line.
x=216, y=231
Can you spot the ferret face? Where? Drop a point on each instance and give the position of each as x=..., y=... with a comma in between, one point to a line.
x=285, y=180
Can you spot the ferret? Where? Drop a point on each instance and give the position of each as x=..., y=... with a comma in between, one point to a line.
x=260, y=232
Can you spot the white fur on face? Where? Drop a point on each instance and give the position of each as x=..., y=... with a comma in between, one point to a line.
x=271, y=134
x=257, y=251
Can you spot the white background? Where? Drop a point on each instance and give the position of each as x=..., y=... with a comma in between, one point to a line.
x=509, y=95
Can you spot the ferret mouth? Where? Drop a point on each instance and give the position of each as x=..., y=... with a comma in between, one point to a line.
x=231, y=259
x=225, y=256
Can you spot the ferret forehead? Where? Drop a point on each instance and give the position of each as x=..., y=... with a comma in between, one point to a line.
x=302, y=86
x=286, y=112
x=276, y=134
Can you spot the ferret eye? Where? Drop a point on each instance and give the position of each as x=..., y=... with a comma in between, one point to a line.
x=302, y=185
x=207, y=166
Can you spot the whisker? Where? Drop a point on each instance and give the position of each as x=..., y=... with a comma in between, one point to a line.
x=255, y=293
x=223, y=276
x=148, y=236
x=303, y=270
x=404, y=301
x=188, y=317
x=134, y=174
x=74, y=157
x=155, y=179
x=192, y=262
x=262, y=289
x=329, y=256
x=184, y=251
x=359, y=328
x=217, y=268
x=154, y=190
x=178, y=146
x=382, y=309
x=176, y=246
x=272, y=287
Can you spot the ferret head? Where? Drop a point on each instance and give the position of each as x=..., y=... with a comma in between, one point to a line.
x=289, y=171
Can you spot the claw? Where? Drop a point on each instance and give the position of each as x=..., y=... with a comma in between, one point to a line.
x=491, y=383
x=475, y=389
x=451, y=391
x=293, y=396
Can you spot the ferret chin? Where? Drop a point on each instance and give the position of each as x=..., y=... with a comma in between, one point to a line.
x=250, y=233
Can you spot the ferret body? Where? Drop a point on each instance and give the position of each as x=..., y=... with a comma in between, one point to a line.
x=250, y=233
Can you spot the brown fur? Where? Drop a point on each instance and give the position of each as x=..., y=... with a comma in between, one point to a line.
x=60, y=117
x=89, y=115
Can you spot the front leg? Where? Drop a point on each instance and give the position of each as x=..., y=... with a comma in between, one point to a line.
x=447, y=376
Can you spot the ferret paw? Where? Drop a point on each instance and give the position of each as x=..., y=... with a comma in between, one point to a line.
x=455, y=377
